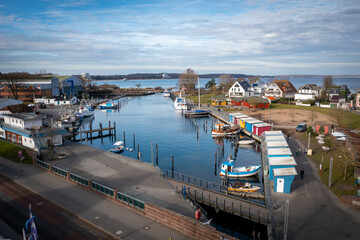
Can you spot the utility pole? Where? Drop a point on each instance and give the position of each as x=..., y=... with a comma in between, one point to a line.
x=330, y=171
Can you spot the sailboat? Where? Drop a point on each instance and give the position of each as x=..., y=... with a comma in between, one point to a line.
x=198, y=112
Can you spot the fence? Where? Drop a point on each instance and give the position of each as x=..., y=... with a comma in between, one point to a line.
x=60, y=172
x=43, y=165
x=136, y=203
x=80, y=180
x=102, y=189
x=119, y=196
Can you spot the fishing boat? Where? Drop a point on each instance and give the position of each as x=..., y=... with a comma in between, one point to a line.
x=117, y=147
x=198, y=112
x=166, y=93
x=180, y=103
x=235, y=172
x=221, y=130
x=107, y=105
x=242, y=187
x=245, y=141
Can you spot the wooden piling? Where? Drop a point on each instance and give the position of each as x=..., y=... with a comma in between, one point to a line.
x=124, y=136
x=172, y=166
x=138, y=151
x=157, y=159
x=134, y=140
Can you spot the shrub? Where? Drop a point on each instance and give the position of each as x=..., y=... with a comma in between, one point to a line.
x=321, y=130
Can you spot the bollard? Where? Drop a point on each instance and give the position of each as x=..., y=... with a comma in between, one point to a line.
x=172, y=166
x=157, y=159
x=134, y=140
x=124, y=136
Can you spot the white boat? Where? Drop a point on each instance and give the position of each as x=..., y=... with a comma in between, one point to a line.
x=235, y=172
x=107, y=105
x=221, y=130
x=180, y=103
x=86, y=111
x=198, y=112
x=246, y=141
x=166, y=93
x=117, y=147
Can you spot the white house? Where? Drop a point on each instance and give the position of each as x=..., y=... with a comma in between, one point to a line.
x=258, y=88
x=357, y=99
x=241, y=89
x=308, y=92
x=28, y=130
x=280, y=89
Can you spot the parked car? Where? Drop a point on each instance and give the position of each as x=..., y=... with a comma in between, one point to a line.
x=353, y=108
x=301, y=127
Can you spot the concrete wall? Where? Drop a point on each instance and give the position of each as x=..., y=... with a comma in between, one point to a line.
x=186, y=225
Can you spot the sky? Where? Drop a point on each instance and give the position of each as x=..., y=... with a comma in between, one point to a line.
x=258, y=37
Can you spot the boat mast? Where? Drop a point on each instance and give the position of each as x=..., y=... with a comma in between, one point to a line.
x=199, y=91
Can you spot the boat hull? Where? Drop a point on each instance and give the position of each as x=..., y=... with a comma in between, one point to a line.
x=242, y=189
x=216, y=133
x=246, y=142
x=197, y=113
x=240, y=174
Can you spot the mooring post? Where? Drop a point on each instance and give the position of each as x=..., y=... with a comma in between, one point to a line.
x=109, y=128
x=152, y=154
x=138, y=152
x=124, y=136
x=172, y=166
x=215, y=163
x=157, y=159
x=134, y=140
x=115, y=129
x=80, y=135
x=91, y=130
x=101, y=133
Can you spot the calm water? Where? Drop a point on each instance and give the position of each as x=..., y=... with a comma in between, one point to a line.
x=352, y=83
x=153, y=119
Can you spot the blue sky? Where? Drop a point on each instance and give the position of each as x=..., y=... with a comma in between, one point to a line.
x=267, y=37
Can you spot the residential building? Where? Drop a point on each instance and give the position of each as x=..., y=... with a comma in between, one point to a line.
x=28, y=130
x=308, y=92
x=71, y=86
x=258, y=88
x=333, y=92
x=357, y=99
x=219, y=101
x=241, y=89
x=338, y=101
x=280, y=89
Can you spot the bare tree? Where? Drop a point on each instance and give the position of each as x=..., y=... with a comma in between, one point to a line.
x=225, y=82
x=240, y=79
x=313, y=116
x=327, y=84
x=253, y=79
x=338, y=115
x=188, y=79
x=342, y=154
x=138, y=85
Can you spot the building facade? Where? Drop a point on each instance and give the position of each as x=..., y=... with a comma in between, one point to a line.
x=241, y=89
x=280, y=89
x=308, y=92
x=71, y=86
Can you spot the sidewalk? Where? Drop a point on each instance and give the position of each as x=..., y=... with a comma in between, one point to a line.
x=114, y=219
x=315, y=212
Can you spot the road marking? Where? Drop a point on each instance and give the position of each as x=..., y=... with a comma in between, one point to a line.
x=119, y=232
x=97, y=218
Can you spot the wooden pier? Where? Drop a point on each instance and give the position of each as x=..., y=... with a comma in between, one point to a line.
x=98, y=133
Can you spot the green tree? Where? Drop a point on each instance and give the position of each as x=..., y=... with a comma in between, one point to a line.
x=225, y=82
x=210, y=83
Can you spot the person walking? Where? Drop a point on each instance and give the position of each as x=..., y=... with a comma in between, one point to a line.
x=302, y=173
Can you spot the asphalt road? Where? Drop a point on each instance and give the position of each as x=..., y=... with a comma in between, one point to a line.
x=52, y=221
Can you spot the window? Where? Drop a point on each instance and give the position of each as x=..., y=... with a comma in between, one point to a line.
x=12, y=120
x=16, y=121
x=14, y=138
x=19, y=139
x=2, y=134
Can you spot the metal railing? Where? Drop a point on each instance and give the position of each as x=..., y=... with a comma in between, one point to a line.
x=60, y=172
x=131, y=201
x=42, y=164
x=102, y=189
x=80, y=180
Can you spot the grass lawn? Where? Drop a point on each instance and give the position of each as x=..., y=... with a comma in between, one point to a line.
x=351, y=120
x=339, y=185
x=10, y=151
x=204, y=98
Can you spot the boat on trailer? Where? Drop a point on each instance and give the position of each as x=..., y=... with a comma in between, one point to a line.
x=117, y=147
x=228, y=169
x=221, y=130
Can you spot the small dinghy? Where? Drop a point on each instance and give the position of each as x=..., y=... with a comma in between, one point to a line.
x=245, y=141
x=243, y=187
x=117, y=147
